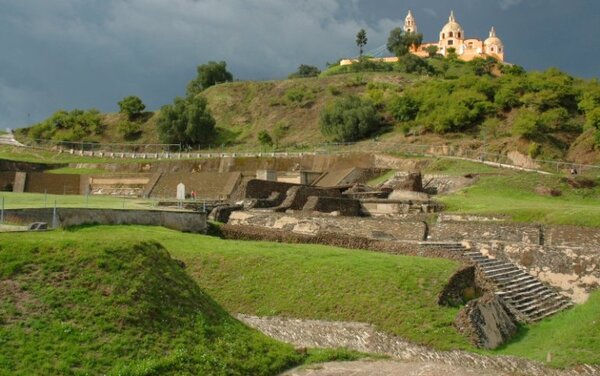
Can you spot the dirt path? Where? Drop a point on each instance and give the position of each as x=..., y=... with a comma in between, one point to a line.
x=387, y=368
x=364, y=338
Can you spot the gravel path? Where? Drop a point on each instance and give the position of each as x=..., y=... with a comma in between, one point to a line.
x=364, y=338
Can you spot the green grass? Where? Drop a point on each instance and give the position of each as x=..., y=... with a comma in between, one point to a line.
x=2, y=133
x=75, y=305
x=78, y=171
x=39, y=200
x=381, y=179
x=457, y=167
x=513, y=194
x=397, y=294
x=571, y=337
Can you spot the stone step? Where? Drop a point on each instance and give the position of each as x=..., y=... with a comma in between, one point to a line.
x=535, y=300
x=489, y=263
x=505, y=276
x=543, y=315
x=538, y=311
x=499, y=268
x=516, y=294
x=473, y=253
x=526, y=278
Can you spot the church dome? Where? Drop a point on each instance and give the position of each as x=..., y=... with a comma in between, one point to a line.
x=493, y=39
x=452, y=29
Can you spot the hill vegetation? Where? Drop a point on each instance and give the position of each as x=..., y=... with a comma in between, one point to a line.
x=543, y=114
x=72, y=306
x=101, y=301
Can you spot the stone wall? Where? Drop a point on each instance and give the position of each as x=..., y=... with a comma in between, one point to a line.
x=485, y=231
x=297, y=196
x=370, y=228
x=571, y=236
x=575, y=271
x=39, y=182
x=7, y=180
x=261, y=189
x=67, y=217
x=342, y=206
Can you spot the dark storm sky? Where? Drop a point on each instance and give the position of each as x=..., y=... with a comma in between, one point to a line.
x=91, y=53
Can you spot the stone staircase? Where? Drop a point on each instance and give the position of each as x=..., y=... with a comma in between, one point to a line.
x=531, y=299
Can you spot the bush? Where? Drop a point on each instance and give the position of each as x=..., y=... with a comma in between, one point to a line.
x=527, y=124
x=209, y=75
x=349, y=119
x=265, y=139
x=403, y=108
x=413, y=64
x=131, y=107
x=305, y=71
x=76, y=125
x=129, y=130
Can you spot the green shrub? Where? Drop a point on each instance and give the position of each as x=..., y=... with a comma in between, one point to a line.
x=187, y=122
x=302, y=96
x=264, y=138
x=403, y=108
x=534, y=150
x=527, y=124
x=129, y=130
x=349, y=119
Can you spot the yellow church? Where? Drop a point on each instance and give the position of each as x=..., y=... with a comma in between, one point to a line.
x=453, y=36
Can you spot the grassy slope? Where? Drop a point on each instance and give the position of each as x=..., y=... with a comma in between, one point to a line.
x=94, y=306
x=513, y=193
x=397, y=294
x=571, y=337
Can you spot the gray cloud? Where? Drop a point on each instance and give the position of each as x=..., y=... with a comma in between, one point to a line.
x=506, y=4
x=91, y=53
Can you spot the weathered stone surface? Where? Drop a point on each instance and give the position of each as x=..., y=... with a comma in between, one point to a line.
x=366, y=227
x=222, y=213
x=364, y=338
x=406, y=181
x=486, y=322
x=461, y=287
x=343, y=206
x=296, y=197
x=405, y=195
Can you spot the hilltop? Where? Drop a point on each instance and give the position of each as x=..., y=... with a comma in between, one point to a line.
x=477, y=106
x=75, y=306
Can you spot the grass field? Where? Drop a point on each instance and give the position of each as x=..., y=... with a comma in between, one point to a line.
x=40, y=200
x=395, y=293
x=513, y=194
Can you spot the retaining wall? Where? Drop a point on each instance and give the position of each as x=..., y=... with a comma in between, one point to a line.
x=508, y=232
x=66, y=217
x=369, y=228
x=297, y=196
x=343, y=206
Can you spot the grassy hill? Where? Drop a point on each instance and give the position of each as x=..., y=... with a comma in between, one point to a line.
x=128, y=308
x=71, y=305
x=542, y=114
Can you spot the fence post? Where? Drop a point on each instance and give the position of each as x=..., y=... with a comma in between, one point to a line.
x=54, y=219
x=2, y=212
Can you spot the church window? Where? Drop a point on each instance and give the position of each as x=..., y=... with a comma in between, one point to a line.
x=492, y=49
x=499, y=49
x=450, y=42
x=443, y=35
x=459, y=34
x=450, y=34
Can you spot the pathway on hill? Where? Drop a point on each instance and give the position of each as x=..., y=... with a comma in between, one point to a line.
x=9, y=139
x=364, y=338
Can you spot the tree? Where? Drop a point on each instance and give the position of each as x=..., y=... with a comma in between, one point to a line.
x=265, y=139
x=349, y=119
x=361, y=40
x=399, y=43
x=305, y=71
x=432, y=50
x=131, y=107
x=187, y=122
x=527, y=124
x=209, y=75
